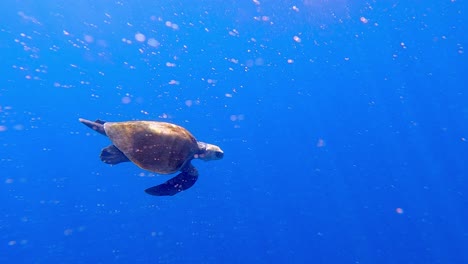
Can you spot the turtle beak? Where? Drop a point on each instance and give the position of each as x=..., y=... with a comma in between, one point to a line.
x=219, y=154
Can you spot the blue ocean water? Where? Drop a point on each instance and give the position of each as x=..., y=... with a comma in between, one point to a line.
x=344, y=126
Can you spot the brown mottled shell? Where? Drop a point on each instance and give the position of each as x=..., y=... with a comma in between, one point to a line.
x=155, y=146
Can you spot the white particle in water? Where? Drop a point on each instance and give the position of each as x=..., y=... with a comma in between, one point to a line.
x=153, y=42
x=140, y=37
x=126, y=100
x=89, y=38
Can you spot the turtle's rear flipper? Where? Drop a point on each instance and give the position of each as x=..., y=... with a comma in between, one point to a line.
x=181, y=182
x=112, y=155
x=98, y=125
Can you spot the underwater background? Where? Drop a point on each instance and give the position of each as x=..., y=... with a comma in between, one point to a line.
x=344, y=126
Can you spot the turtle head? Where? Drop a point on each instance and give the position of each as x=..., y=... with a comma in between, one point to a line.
x=209, y=152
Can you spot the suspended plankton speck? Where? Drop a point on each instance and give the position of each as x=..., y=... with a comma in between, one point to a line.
x=153, y=43
x=12, y=243
x=239, y=117
x=172, y=25
x=173, y=82
x=295, y=8
x=68, y=232
x=126, y=100
x=3, y=128
x=140, y=37
x=9, y=181
x=320, y=143
x=297, y=39
x=188, y=103
x=399, y=210
x=364, y=20
x=66, y=33
x=290, y=61
x=89, y=38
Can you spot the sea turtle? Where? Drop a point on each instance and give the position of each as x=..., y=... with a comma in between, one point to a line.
x=159, y=147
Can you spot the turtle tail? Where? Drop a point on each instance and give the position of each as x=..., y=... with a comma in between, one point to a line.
x=98, y=125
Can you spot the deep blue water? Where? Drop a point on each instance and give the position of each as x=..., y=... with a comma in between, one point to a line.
x=344, y=126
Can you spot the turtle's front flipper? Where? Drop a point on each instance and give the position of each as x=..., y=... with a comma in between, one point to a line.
x=98, y=125
x=181, y=182
x=112, y=155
